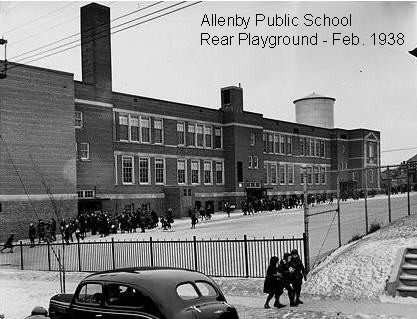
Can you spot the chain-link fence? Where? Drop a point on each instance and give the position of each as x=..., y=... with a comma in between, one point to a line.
x=365, y=199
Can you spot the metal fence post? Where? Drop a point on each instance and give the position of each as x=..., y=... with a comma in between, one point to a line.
x=338, y=209
x=305, y=244
x=389, y=198
x=21, y=255
x=195, y=253
x=79, y=255
x=306, y=235
x=151, y=250
x=366, y=200
x=408, y=189
x=245, y=241
x=112, y=253
x=49, y=256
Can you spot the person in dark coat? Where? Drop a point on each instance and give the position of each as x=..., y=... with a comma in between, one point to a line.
x=32, y=235
x=286, y=271
x=41, y=231
x=8, y=243
x=38, y=313
x=272, y=283
x=193, y=220
x=298, y=275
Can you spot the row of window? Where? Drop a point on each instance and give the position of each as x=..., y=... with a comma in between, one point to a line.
x=276, y=143
x=139, y=129
x=128, y=171
x=284, y=174
x=312, y=147
x=199, y=135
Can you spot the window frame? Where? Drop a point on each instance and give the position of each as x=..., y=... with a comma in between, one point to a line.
x=87, y=158
x=182, y=160
x=221, y=137
x=283, y=166
x=194, y=139
x=132, y=158
x=205, y=135
x=255, y=162
x=211, y=172
x=127, y=116
x=81, y=119
x=143, y=120
x=274, y=175
x=222, y=164
x=148, y=170
x=160, y=159
x=202, y=135
x=288, y=180
x=179, y=133
x=131, y=126
x=161, y=120
x=252, y=139
x=198, y=172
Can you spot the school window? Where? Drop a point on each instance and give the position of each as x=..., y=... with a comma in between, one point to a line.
x=290, y=174
x=317, y=148
x=123, y=128
x=309, y=175
x=200, y=137
x=265, y=139
x=312, y=148
x=250, y=162
x=355, y=176
x=218, y=137
x=307, y=147
x=134, y=129
x=266, y=177
x=322, y=151
x=207, y=136
x=78, y=119
x=207, y=172
x=159, y=171
x=144, y=170
x=303, y=172
x=323, y=175
x=371, y=176
x=276, y=143
x=302, y=147
x=255, y=162
x=316, y=175
x=282, y=144
x=180, y=133
x=252, y=139
x=191, y=134
x=181, y=171
x=84, y=151
x=289, y=145
x=273, y=173
x=219, y=173
x=127, y=169
x=270, y=143
x=195, y=172
x=145, y=126
x=158, y=131
x=282, y=177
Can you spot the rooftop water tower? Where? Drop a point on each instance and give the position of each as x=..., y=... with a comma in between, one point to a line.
x=315, y=110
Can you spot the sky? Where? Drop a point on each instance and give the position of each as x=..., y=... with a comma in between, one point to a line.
x=374, y=84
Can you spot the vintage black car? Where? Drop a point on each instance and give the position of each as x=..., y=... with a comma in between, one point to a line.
x=151, y=293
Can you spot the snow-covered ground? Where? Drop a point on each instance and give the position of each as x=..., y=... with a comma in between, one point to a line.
x=358, y=271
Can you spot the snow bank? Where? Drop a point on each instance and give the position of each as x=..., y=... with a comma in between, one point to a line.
x=359, y=270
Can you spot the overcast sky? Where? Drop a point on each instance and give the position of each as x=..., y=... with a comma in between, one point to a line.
x=374, y=85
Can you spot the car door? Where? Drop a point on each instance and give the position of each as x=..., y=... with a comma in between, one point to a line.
x=122, y=301
x=87, y=302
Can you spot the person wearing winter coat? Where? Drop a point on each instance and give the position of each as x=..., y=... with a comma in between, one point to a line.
x=272, y=285
x=286, y=271
x=8, y=243
x=298, y=275
x=32, y=235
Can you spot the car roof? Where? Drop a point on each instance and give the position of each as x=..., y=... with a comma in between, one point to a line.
x=156, y=277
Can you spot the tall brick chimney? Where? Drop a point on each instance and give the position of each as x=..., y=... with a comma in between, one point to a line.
x=96, y=46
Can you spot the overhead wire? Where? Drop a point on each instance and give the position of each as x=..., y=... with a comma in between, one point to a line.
x=78, y=33
x=114, y=32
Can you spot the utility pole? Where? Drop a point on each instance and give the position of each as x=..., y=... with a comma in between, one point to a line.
x=307, y=244
x=338, y=209
x=389, y=195
x=408, y=188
